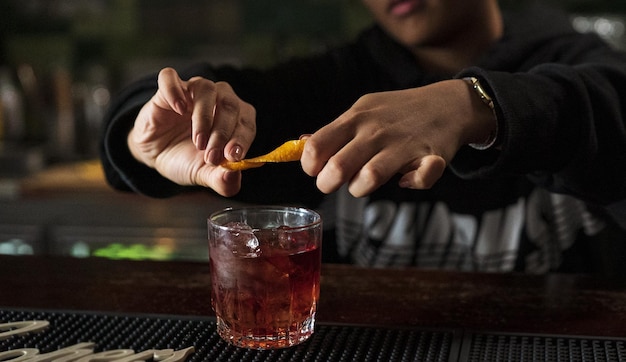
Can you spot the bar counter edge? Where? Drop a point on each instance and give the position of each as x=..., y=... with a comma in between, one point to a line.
x=551, y=304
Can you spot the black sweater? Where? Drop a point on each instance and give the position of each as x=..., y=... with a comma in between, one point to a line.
x=560, y=102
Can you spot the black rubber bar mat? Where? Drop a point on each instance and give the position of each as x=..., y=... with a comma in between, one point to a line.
x=111, y=333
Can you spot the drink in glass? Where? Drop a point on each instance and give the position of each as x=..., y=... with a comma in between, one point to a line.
x=265, y=274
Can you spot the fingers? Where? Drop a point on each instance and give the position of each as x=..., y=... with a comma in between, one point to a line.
x=171, y=91
x=356, y=165
x=226, y=183
x=330, y=155
x=189, y=127
x=243, y=135
x=322, y=145
x=336, y=160
x=184, y=165
x=376, y=172
x=363, y=166
x=429, y=170
x=219, y=118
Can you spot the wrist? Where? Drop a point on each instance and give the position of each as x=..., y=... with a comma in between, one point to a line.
x=486, y=103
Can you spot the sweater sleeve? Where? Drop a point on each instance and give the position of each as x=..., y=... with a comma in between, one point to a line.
x=561, y=123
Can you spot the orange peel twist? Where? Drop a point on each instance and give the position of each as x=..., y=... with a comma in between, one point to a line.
x=288, y=151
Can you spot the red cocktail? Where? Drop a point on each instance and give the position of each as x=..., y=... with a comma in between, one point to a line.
x=265, y=271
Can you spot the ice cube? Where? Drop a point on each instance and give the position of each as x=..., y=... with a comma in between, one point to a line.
x=224, y=266
x=242, y=240
x=284, y=237
x=238, y=225
x=253, y=243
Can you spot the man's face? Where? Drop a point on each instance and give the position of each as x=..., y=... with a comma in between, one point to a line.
x=416, y=23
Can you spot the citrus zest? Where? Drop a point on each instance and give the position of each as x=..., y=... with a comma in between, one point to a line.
x=288, y=151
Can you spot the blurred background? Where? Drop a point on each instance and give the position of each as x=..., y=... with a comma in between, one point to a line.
x=61, y=62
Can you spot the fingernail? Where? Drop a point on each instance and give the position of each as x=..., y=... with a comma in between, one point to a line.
x=405, y=184
x=214, y=157
x=181, y=106
x=304, y=136
x=236, y=153
x=201, y=141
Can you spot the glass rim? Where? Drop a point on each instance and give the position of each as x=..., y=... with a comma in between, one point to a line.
x=296, y=209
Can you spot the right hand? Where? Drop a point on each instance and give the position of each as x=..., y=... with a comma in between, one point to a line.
x=187, y=129
x=415, y=132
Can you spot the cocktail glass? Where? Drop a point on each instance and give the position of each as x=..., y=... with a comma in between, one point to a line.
x=265, y=274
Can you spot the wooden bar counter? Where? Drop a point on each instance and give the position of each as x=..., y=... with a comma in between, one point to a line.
x=553, y=304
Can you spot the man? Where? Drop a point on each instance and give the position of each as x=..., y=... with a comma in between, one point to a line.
x=448, y=135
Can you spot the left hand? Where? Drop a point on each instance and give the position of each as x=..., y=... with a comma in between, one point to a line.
x=415, y=132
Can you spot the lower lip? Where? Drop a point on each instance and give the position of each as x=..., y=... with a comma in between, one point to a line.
x=405, y=7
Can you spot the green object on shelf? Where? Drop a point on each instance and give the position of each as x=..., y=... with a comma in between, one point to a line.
x=134, y=252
